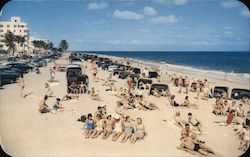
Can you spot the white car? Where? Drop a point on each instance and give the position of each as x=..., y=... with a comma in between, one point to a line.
x=112, y=67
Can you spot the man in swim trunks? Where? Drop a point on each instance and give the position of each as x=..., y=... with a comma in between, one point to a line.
x=185, y=132
x=189, y=145
x=194, y=122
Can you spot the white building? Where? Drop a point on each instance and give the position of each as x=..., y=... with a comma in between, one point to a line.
x=17, y=28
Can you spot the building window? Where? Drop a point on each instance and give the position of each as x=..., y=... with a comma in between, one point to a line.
x=8, y=25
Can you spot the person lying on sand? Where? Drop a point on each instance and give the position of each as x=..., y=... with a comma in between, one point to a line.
x=146, y=104
x=177, y=119
x=93, y=95
x=89, y=126
x=118, y=128
x=43, y=107
x=69, y=97
x=138, y=105
x=188, y=104
x=49, y=91
x=109, y=127
x=139, y=131
x=99, y=126
x=195, y=122
x=127, y=130
x=57, y=106
x=191, y=146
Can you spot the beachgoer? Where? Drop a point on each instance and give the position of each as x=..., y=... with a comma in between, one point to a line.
x=188, y=104
x=128, y=129
x=93, y=95
x=89, y=124
x=206, y=89
x=185, y=132
x=240, y=111
x=245, y=141
x=73, y=88
x=129, y=82
x=43, y=107
x=99, y=126
x=120, y=110
x=177, y=119
x=94, y=72
x=187, y=83
x=198, y=88
x=21, y=85
x=82, y=87
x=180, y=84
x=118, y=129
x=69, y=97
x=195, y=122
x=139, y=132
x=109, y=127
x=49, y=91
x=172, y=101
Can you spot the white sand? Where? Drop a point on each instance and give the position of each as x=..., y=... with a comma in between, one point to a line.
x=26, y=132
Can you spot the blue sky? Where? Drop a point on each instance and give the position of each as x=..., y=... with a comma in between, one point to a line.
x=160, y=25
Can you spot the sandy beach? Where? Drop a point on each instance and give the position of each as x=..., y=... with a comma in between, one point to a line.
x=26, y=132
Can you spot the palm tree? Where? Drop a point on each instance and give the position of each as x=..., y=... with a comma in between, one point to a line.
x=20, y=40
x=63, y=45
x=9, y=40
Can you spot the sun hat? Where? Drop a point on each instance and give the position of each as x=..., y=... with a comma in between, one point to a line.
x=103, y=105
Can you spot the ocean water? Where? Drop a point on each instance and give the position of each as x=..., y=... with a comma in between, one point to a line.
x=227, y=62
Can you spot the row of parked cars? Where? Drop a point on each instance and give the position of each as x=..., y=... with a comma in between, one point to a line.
x=12, y=68
x=120, y=70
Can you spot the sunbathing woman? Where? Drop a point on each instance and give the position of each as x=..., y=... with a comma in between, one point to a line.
x=109, y=127
x=118, y=128
x=99, y=126
x=218, y=108
x=120, y=110
x=69, y=97
x=177, y=119
x=195, y=122
x=128, y=130
x=43, y=107
x=140, y=132
x=89, y=124
x=93, y=95
x=188, y=104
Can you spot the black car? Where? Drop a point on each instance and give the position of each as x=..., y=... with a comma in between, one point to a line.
x=7, y=78
x=10, y=70
x=23, y=67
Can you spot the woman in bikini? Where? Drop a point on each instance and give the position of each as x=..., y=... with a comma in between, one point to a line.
x=118, y=128
x=140, y=132
x=93, y=95
x=128, y=129
x=89, y=124
x=109, y=127
x=218, y=108
x=188, y=104
x=99, y=125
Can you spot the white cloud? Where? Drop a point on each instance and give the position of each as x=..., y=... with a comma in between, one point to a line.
x=149, y=11
x=97, y=6
x=163, y=19
x=180, y=2
x=127, y=15
x=230, y=4
x=245, y=13
x=175, y=2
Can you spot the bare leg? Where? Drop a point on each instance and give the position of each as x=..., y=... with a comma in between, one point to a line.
x=202, y=152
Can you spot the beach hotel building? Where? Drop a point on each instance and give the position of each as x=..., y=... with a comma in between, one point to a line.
x=17, y=28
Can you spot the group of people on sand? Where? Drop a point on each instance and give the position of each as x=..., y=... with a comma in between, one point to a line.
x=122, y=128
x=77, y=88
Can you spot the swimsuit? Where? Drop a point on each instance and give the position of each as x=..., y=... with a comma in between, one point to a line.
x=118, y=127
x=90, y=125
x=196, y=147
x=128, y=128
x=197, y=124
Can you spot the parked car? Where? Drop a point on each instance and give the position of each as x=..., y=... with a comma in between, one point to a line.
x=159, y=87
x=111, y=68
x=23, y=67
x=7, y=78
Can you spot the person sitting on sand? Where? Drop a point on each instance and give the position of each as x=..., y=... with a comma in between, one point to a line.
x=73, y=88
x=240, y=111
x=57, y=106
x=224, y=95
x=120, y=110
x=172, y=101
x=138, y=105
x=231, y=118
x=177, y=119
x=99, y=126
x=93, y=95
x=82, y=87
x=43, y=107
x=245, y=141
x=89, y=124
x=156, y=92
x=128, y=130
x=109, y=127
x=195, y=122
x=186, y=131
x=225, y=108
x=69, y=97
x=139, y=131
x=218, y=109
x=146, y=104
x=232, y=106
x=98, y=112
x=180, y=84
x=118, y=129
x=188, y=104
